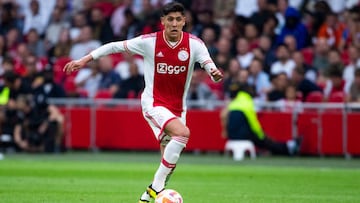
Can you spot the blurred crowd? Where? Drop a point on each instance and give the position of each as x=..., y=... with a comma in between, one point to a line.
x=288, y=50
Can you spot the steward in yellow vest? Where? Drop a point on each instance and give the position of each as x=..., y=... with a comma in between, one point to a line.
x=240, y=122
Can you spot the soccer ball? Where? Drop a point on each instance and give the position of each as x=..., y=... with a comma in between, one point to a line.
x=169, y=196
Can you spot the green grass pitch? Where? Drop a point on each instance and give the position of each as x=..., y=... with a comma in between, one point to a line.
x=212, y=178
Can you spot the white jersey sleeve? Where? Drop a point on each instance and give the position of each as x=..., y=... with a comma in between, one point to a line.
x=133, y=46
x=202, y=56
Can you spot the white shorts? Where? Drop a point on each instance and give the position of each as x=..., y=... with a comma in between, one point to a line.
x=158, y=117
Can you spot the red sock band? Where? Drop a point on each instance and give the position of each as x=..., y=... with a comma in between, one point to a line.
x=167, y=164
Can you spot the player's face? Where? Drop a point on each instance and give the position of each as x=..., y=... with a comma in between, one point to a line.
x=173, y=24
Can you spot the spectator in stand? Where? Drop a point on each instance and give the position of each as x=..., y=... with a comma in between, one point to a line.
x=65, y=9
x=62, y=47
x=8, y=18
x=335, y=83
x=35, y=44
x=244, y=55
x=35, y=18
x=354, y=92
x=208, y=36
x=223, y=12
x=294, y=26
x=279, y=7
x=132, y=86
x=151, y=23
x=251, y=35
x=12, y=38
x=268, y=29
x=56, y=25
x=33, y=67
x=291, y=43
x=321, y=60
x=190, y=22
x=132, y=26
x=230, y=75
x=100, y=26
x=259, y=79
x=16, y=85
x=48, y=88
x=199, y=90
x=78, y=22
x=88, y=79
x=202, y=5
x=206, y=19
x=22, y=52
x=291, y=101
x=85, y=45
x=284, y=63
x=348, y=76
x=7, y=65
x=279, y=83
x=318, y=15
x=331, y=30
x=266, y=48
x=334, y=57
x=352, y=35
x=223, y=55
x=310, y=72
x=2, y=49
x=123, y=67
x=246, y=8
x=110, y=80
x=117, y=20
x=260, y=16
x=302, y=84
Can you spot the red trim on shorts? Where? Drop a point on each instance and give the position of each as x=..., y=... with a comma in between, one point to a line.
x=162, y=129
x=167, y=164
x=152, y=120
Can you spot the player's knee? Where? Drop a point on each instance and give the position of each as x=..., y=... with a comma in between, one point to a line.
x=184, y=132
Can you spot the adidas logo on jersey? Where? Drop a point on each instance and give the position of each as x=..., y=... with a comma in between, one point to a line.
x=160, y=54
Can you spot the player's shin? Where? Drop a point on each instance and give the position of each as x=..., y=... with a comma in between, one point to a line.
x=171, y=155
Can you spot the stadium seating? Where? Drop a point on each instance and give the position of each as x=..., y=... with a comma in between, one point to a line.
x=337, y=97
x=103, y=94
x=315, y=97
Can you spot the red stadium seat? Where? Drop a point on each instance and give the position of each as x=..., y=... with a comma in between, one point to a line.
x=103, y=94
x=315, y=97
x=337, y=97
x=69, y=85
x=82, y=93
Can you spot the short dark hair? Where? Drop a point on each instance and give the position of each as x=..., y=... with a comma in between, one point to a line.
x=357, y=72
x=335, y=70
x=172, y=7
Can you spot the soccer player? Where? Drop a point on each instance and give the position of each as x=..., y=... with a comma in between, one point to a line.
x=169, y=57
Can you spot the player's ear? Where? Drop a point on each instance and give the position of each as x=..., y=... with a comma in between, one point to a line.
x=162, y=19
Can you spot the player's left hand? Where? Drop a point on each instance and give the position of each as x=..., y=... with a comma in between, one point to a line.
x=216, y=74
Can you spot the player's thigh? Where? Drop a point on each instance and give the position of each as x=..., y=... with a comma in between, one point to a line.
x=176, y=127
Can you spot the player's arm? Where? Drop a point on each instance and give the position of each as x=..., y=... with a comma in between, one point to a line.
x=203, y=57
x=131, y=46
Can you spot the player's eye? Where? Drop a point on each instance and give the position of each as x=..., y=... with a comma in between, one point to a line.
x=170, y=19
x=179, y=19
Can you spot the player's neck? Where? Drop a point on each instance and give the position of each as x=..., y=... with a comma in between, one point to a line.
x=173, y=40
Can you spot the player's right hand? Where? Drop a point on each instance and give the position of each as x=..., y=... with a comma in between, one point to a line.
x=73, y=66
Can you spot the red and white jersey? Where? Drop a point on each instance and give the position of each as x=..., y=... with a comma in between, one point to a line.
x=168, y=67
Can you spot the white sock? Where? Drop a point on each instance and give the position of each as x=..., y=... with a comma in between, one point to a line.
x=171, y=155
